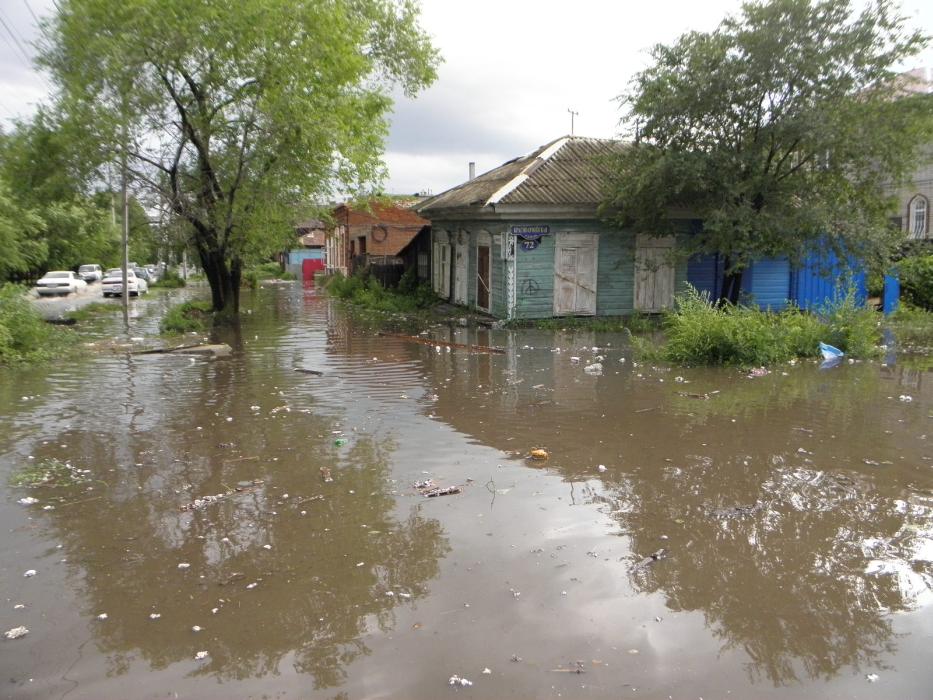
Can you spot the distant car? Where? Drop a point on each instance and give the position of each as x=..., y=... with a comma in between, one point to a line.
x=144, y=273
x=60, y=282
x=112, y=284
x=91, y=273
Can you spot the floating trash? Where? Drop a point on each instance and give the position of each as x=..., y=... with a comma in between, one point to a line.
x=16, y=633
x=601, y=468
x=184, y=565
x=829, y=352
x=27, y=501
x=196, y=628
x=201, y=655
x=155, y=616
x=538, y=453
x=457, y=680
x=102, y=616
x=30, y=573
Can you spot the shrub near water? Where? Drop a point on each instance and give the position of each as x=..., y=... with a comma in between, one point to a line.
x=700, y=332
x=24, y=336
x=409, y=297
x=190, y=317
x=916, y=277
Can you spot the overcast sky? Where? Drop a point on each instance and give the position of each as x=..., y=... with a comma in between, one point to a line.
x=512, y=70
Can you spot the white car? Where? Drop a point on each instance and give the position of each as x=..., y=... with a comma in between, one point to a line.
x=112, y=284
x=90, y=273
x=60, y=282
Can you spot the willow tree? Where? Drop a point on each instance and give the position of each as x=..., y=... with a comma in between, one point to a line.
x=778, y=131
x=233, y=113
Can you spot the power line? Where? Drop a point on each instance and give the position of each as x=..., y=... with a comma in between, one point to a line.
x=26, y=3
x=15, y=40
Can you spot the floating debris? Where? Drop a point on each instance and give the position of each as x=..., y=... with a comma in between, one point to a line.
x=201, y=655
x=29, y=573
x=16, y=632
x=487, y=671
x=102, y=617
x=27, y=501
x=538, y=453
x=595, y=369
x=326, y=475
x=429, y=489
x=208, y=500
x=457, y=680
x=155, y=616
x=601, y=468
x=184, y=565
x=196, y=628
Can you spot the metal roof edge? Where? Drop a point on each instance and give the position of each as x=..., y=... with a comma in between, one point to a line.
x=517, y=181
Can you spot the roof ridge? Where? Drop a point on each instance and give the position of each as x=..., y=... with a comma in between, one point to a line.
x=533, y=164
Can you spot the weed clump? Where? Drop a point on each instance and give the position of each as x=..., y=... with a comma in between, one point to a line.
x=189, y=317
x=49, y=472
x=409, y=296
x=701, y=332
x=24, y=335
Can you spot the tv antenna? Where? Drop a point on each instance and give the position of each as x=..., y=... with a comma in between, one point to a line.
x=572, y=115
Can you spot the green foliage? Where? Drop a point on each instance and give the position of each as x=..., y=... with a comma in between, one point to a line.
x=24, y=336
x=701, y=332
x=238, y=110
x=56, y=222
x=913, y=327
x=189, y=317
x=916, y=277
x=778, y=130
x=264, y=271
x=48, y=472
x=368, y=293
x=170, y=279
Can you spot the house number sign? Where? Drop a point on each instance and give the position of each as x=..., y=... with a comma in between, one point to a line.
x=530, y=236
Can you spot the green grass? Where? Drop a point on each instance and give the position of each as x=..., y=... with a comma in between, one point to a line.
x=48, y=472
x=252, y=276
x=24, y=335
x=189, y=317
x=700, y=332
x=912, y=327
x=169, y=280
x=368, y=293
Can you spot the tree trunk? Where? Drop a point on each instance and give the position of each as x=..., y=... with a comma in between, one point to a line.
x=731, y=287
x=225, y=283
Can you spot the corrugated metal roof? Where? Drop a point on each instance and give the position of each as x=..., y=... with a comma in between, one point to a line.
x=569, y=170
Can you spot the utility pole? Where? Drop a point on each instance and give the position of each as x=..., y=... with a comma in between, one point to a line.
x=125, y=263
x=572, y=115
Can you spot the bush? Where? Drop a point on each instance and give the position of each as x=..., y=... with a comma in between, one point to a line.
x=916, y=276
x=366, y=291
x=169, y=280
x=24, y=336
x=700, y=332
x=189, y=317
x=252, y=276
x=912, y=327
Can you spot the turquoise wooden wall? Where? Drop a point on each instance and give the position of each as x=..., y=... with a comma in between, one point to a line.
x=534, y=283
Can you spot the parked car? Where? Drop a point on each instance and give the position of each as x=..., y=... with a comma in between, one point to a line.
x=112, y=284
x=60, y=282
x=143, y=273
x=91, y=273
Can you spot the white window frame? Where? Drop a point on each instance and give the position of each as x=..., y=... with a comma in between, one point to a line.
x=918, y=213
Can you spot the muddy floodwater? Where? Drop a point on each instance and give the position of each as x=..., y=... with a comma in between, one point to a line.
x=232, y=528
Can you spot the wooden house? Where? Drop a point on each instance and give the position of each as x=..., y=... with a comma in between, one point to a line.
x=372, y=235
x=524, y=241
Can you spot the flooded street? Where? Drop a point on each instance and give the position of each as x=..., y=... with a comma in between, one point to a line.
x=746, y=537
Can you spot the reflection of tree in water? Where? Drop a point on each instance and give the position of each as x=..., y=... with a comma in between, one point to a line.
x=778, y=568
x=312, y=601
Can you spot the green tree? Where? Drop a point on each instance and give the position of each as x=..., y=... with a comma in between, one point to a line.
x=19, y=232
x=48, y=176
x=231, y=113
x=777, y=131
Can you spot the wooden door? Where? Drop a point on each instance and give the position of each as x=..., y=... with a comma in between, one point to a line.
x=461, y=258
x=575, y=265
x=482, y=277
x=654, y=274
x=441, y=270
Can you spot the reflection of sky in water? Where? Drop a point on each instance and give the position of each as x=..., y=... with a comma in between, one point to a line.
x=789, y=509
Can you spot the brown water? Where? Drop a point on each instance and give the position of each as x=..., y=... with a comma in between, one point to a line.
x=795, y=512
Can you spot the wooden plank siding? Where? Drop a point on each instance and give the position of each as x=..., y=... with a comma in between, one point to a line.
x=534, y=280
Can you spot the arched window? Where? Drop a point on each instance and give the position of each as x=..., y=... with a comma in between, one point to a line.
x=918, y=212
